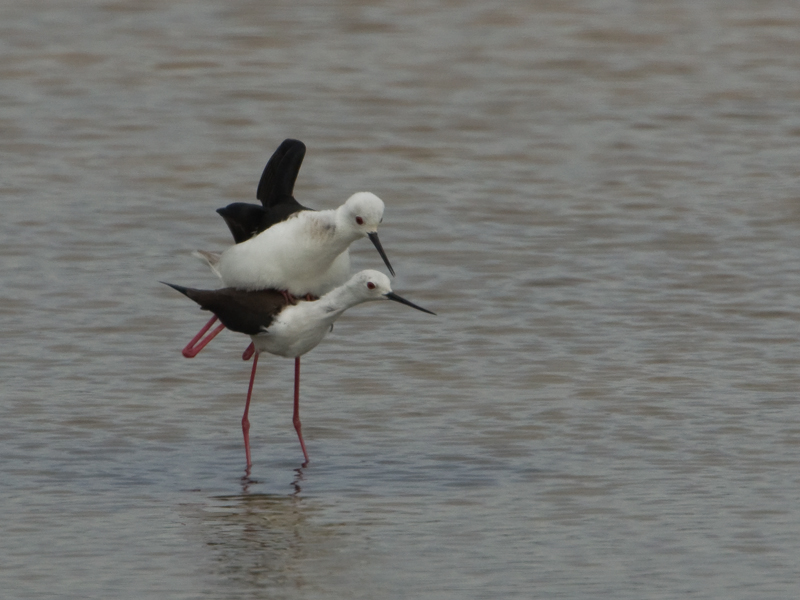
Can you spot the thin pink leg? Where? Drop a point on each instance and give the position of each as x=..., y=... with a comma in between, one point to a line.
x=296, y=417
x=245, y=421
x=193, y=348
x=290, y=299
x=249, y=351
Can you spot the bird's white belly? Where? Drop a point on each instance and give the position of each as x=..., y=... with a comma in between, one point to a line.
x=291, y=334
x=258, y=271
x=298, y=255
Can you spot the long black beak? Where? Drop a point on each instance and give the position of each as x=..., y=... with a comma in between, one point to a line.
x=396, y=298
x=373, y=237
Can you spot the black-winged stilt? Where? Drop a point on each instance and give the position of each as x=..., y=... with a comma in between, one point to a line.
x=290, y=330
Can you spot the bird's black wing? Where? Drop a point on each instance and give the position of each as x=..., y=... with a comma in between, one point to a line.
x=244, y=220
x=277, y=181
x=275, y=191
x=246, y=312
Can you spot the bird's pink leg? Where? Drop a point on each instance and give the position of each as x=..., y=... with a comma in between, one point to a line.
x=296, y=417
x=193, y=348
x=290, y=299
x=248, y=351
x=245, y=421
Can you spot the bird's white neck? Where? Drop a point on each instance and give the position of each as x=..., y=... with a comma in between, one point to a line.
x=345, y=233
x=338, y=300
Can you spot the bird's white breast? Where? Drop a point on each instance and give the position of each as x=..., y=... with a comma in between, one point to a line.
x=301, y=255
x=295, y=331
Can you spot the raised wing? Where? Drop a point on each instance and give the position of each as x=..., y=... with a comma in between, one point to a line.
x=275, y=190
x=277, y=181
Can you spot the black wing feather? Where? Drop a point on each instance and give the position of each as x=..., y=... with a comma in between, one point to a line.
x=244, y=220
x=277, y=181
x=246, y=312
x=275, y=191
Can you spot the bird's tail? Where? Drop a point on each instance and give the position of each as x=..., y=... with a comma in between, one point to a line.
x=183, y=290
x=210, y=258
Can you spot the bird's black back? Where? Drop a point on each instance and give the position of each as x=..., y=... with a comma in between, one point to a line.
x=246, y=312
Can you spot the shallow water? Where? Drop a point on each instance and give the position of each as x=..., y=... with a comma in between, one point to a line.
x=598, y=198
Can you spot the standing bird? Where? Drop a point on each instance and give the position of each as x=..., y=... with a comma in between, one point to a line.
x=279, y=327
x=285, y=246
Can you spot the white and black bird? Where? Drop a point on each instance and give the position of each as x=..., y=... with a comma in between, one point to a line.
x=279, y=327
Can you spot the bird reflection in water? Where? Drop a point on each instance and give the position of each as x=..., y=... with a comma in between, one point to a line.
x=260, y=544
x=248, y=481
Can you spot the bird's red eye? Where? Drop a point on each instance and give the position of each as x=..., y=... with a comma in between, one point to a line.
x=359, y=220
x=370, y=285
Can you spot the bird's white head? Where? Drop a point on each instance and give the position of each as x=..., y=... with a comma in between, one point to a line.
x=363, y=212
x=361, y=215
x=370, y=285
x=373, y=285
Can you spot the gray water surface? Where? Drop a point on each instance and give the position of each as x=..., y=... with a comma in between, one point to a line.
x=598, y=198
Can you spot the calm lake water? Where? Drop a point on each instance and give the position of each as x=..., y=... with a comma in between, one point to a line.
x=599, y=199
